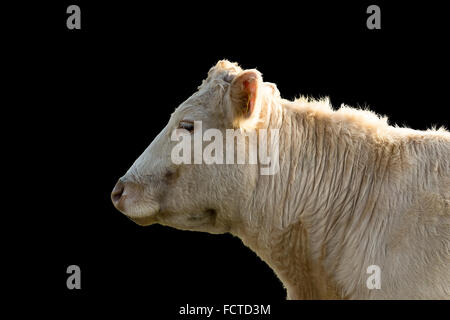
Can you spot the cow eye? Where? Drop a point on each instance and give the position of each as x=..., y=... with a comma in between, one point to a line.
x=185, y=124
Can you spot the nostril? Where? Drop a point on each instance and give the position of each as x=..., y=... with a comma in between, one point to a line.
x=117, y=192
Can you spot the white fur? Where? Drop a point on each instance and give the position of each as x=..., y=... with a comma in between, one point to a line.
x=352, y=192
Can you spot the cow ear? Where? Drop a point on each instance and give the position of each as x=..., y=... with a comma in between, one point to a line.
x=244, y=92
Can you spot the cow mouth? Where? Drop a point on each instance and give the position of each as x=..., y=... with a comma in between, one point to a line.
x=206, y=217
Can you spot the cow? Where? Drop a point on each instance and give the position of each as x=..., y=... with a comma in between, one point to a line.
x=350, y=195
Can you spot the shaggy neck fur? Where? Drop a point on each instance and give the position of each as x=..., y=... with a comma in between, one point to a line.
x=307, y=226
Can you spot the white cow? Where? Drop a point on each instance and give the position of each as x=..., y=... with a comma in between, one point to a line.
x=351, y=192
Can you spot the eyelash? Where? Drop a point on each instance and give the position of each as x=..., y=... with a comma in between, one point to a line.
x=187, y=125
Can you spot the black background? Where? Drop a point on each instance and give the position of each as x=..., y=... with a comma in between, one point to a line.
x=89, y=101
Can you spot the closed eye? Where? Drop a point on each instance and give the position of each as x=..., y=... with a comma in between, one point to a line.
x=187, y=125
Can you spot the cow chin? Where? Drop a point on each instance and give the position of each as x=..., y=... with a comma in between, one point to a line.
x=144, y=221
x=204, y=221
x=143, y=215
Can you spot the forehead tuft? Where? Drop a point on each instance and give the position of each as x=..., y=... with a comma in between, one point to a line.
x=222, y=73
x=224, y=70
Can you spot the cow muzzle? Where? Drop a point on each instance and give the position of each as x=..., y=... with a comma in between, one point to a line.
x=124, y=194
x=131, y=199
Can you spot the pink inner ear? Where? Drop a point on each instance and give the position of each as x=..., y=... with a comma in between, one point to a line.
x=250, y=88
x=250, y=85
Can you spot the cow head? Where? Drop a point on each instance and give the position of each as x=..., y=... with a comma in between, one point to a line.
x=198, y=195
